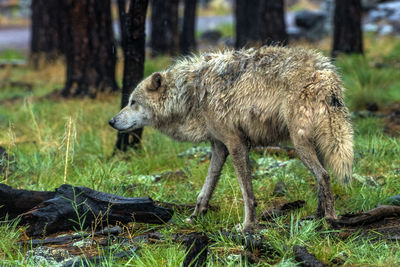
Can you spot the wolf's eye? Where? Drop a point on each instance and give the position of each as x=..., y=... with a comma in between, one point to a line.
x=133, y=103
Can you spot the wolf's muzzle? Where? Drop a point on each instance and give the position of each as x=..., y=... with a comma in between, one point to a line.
x=112, y=122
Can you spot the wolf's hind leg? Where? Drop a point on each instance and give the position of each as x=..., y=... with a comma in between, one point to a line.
x=218, y=158
x=308, y=156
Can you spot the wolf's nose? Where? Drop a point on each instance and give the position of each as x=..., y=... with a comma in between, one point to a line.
x=111, y=122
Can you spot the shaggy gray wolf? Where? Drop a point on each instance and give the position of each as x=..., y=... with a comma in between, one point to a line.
x=238, y=99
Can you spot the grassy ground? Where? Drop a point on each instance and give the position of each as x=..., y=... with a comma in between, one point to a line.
x=35, y=131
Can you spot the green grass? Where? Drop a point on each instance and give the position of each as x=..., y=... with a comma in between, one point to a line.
x=34, y=131
x=227, y=30
x=12, y=54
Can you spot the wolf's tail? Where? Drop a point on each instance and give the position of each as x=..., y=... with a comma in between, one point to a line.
x=334, y=137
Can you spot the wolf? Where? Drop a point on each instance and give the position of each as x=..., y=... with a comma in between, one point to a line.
x=236, y=99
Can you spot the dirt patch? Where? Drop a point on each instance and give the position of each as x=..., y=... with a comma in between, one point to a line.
x=390, y=115
x=392, y=122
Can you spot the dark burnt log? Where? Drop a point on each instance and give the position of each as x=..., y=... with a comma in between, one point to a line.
x=282, y=210
x=113, y=231
x=48, y=212
x=305, y=258
x=196, y=251
x=368, y=217
x=16, y=201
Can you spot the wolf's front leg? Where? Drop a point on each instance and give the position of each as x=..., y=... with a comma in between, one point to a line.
x=239, y=152
x=218, y=157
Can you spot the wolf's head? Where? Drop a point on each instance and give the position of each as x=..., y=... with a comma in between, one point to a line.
x=154, y=102
x=139, y=111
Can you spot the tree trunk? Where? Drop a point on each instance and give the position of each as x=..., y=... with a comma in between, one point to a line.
x=347, y=35
x=133, y=36
x=164, y=27
x=187, y=38
x=90, y=49
x=272, y=22
x=247, y=30
x=47, y=40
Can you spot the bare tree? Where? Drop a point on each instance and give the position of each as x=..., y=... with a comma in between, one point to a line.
x=132, y=15
x=90, y=48
x=187, y=37
x=164, y=27
x=272, y=22
x=247, y=14
x=47, y=30
x=347, y=35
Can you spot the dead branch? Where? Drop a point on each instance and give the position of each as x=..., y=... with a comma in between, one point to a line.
x=305, y=258
x=368, y=217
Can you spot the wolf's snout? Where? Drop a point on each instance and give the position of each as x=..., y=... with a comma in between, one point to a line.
x=112, y=122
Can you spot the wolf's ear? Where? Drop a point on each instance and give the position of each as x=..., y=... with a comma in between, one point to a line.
x=156, y=80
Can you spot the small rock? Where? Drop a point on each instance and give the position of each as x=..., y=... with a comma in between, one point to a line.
x=211, y=36
x=308, y=19
x=83, y=243
x=386, y=29
x=47, y=256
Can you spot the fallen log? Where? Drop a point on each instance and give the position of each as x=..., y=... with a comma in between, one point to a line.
x=71, y=204
x=305, y=258
x=72, y=207
x=68, y=238
x=16, y=201
x=368, y=217
x=282, y=210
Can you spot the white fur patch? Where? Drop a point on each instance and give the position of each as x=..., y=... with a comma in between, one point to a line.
x=301, y=132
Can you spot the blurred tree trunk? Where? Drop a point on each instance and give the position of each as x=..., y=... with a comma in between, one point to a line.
x=47, y=30
x=247, y=29
x=347, y=35
x=133, y=23
x=90, y=49
x=187, y=38
x=164, y=27
x=272, y=22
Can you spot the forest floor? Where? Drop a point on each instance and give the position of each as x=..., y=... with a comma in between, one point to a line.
x=34, y=131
